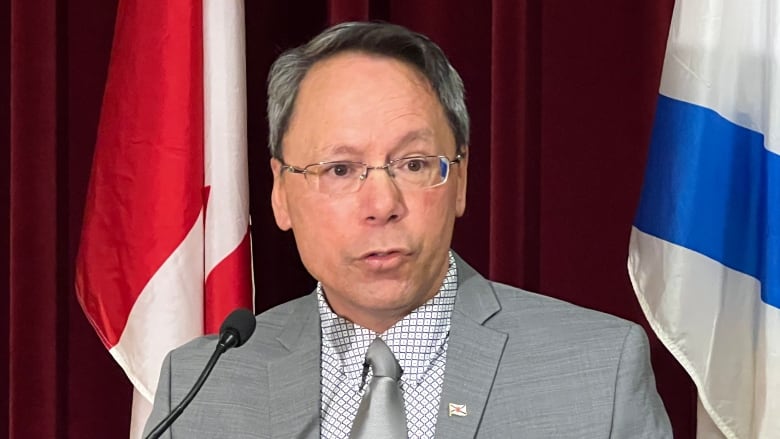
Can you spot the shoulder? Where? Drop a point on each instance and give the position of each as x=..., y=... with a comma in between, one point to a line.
x=535, y=321
x=270, y=326
x=521, y=308
x=272, y=322
x=563, y=329
x=592, y=366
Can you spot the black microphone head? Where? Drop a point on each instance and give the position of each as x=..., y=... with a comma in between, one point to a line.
x=240, y=322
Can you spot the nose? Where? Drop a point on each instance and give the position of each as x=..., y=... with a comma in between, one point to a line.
x=381, y=200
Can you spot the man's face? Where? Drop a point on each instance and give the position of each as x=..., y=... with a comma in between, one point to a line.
x=379, y=252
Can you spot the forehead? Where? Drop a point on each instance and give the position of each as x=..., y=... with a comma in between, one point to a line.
x=355, y=62
x=356, y=99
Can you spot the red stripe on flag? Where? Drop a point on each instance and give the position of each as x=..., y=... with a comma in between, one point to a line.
x=147, y=174
x=228, y=286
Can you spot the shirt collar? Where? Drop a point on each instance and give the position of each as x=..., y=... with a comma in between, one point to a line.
x=416, y=340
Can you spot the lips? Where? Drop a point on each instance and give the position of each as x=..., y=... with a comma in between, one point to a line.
x=384, y=259
x=383, y=253
x=379, y=254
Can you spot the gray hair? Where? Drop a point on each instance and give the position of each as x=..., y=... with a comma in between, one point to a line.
x=384, y=39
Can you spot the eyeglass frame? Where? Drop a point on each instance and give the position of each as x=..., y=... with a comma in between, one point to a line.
x=366, y=168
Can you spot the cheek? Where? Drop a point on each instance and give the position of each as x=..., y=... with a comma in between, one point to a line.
x=437, y=212
x=316, y=222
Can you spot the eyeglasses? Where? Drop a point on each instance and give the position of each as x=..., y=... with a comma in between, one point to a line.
x=344, y=177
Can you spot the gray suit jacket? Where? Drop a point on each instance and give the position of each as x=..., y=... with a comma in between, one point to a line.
x=525, y=365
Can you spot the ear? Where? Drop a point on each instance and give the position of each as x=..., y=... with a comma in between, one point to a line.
x=279, y=197
x=462, y=169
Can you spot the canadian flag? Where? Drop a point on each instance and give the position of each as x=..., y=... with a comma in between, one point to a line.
x=165, y=253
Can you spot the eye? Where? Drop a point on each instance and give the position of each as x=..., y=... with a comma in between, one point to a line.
x=337, y=169
x=415, y=164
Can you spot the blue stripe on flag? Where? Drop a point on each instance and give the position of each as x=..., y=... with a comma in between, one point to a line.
x=712, y=187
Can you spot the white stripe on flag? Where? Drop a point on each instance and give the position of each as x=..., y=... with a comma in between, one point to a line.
x=717, y=327
x=225, y=129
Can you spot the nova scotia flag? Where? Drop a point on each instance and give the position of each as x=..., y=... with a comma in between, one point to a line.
x=704, y=256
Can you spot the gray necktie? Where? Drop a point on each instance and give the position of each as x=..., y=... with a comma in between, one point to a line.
x=381, y=412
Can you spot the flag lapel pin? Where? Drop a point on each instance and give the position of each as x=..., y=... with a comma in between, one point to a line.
x=458, y=409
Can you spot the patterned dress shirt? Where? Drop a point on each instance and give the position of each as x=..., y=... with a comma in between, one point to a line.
x=419, y=342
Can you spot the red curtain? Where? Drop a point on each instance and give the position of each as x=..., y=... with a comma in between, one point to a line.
x=561, y=94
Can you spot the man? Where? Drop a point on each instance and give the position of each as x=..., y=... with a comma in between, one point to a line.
x=369, y=145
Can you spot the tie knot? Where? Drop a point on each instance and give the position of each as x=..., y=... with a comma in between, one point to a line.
x=382, y=361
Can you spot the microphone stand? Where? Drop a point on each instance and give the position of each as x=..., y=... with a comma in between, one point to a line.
x=228, y=340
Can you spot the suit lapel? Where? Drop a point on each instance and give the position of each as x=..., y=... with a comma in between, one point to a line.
x=473, y=355
x=294, y=379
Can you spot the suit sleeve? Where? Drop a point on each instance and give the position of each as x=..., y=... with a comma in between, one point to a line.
x=638, y=411
x=162, y=399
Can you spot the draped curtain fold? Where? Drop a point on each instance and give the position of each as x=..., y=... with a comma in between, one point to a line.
x=33, y=248
x=561, y=95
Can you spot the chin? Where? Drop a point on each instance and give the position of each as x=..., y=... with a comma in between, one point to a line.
x=396, y=300
x=394, y=311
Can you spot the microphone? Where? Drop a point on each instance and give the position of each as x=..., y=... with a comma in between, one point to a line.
x=236, y=329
